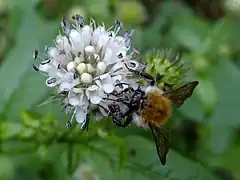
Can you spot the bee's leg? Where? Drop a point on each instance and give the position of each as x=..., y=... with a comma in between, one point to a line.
x=143, y=74
x=128, y=120
x=85, y=124
x=117, y=100
x=115, y=119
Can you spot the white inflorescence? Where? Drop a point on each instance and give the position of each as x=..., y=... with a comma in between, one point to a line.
x=86, y=63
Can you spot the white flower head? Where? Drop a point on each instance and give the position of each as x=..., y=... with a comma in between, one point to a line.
x=87, y=63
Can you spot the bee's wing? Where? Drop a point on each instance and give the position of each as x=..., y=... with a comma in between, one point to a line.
x=179, y=95
x=161, y=137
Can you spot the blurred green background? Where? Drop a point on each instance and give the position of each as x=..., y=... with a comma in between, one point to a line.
x=205, y=143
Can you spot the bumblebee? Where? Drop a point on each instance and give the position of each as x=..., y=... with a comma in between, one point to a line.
x=148, y=107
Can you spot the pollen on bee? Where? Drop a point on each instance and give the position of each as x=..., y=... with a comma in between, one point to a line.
x=157, y=109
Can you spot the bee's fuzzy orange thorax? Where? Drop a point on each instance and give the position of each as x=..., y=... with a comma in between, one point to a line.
x=157, y=110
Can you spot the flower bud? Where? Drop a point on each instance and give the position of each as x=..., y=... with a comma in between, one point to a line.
x=71, y=66
x=90, y=68
x=81, y=68
x=101, y=66
x=89, y=50
x=86, y=78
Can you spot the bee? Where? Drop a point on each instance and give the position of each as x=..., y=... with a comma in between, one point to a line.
x=151, y=107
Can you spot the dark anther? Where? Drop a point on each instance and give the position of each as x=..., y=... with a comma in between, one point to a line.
x=118, y=23
x=120, y=55
x=35, y=67
x=69, y=124
x=51, y=81
x=66, y=26
x=110, y=34
x=79, y=20
x=59, y=65
x=35, y=54
x=45, y=62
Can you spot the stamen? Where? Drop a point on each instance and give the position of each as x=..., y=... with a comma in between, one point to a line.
x=66, y=26
x=69, y=124
x=92, y=23
x=46, y=48
x=35, y=67
x=79, y=20
x=51, y=80
x=92, y=60
x=118, y=26
x=35, y=54
x=45, y=62
x=128, y=41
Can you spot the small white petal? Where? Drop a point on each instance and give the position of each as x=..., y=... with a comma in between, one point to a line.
x=92, y=88
x=80, y=115
x=86, y=35
x=65, y=86
x=52, y=52
x=74, y=101
x=96, y=34
x=63, y=43
x=119, y=39
x=84, y=101
x=68, y=77
x=89, y=50
x=107, y=83
x=46, y=67
x=102, y=41
x=78, y=90
x=94, y=94
x=78, y=59
x=75, y=38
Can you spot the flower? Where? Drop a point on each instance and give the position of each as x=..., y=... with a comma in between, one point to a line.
x=86, y=64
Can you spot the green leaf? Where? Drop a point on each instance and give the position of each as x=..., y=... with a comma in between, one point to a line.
x=18, y=81
x=6, y=168
x=9, y=129
x=145, y=163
